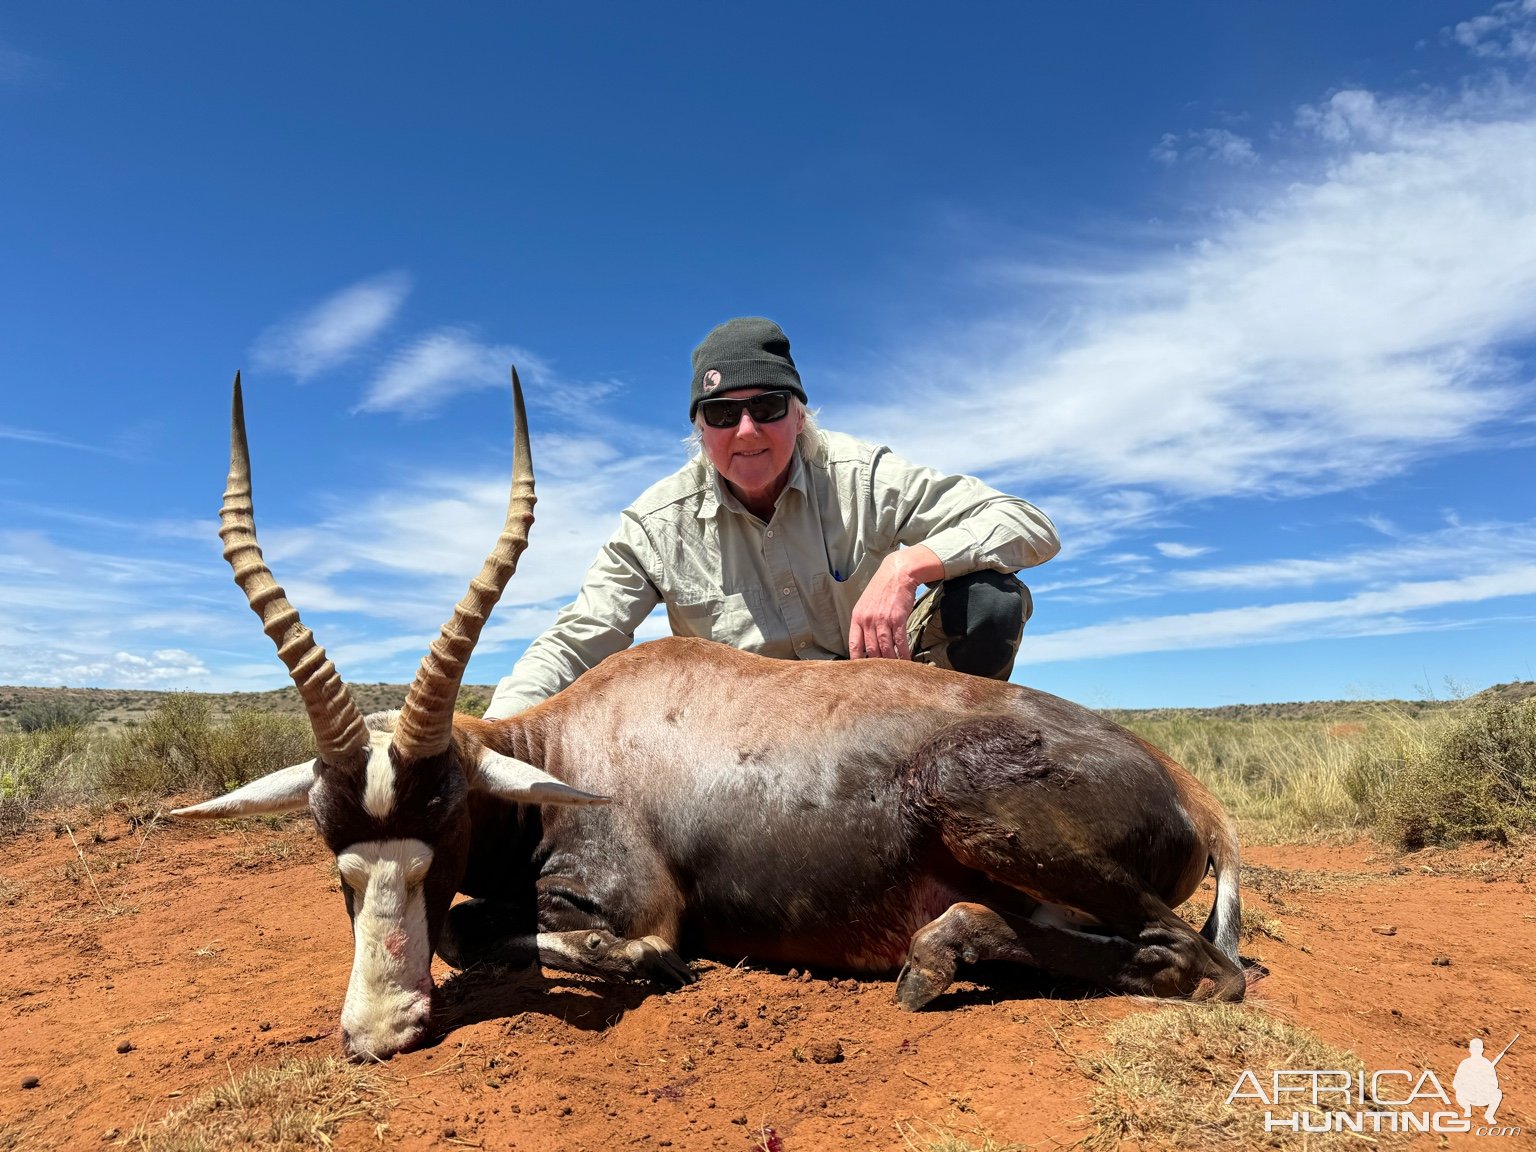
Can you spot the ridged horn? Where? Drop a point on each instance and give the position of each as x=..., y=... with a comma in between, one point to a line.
x=426, y=720
x=340, y=734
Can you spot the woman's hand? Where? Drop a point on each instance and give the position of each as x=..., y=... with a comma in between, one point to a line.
x=879, y=625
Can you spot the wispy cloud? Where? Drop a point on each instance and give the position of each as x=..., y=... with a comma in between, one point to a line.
x=1470, y=548
x=431, y=368
x=1342, y=327
x=16, y=66
x=1455, y=550
x=1365, y=614
x=428, y=370
x=1218, y=144
x=1508, y=31
x=47, y=440
x=334, y=330
x=1175, y=551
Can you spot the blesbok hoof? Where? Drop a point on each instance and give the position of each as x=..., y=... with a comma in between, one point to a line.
x=917, y=986
x=656, y=960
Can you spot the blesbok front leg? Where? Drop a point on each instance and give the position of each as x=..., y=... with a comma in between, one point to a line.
x=620, y=928
x=595, y=952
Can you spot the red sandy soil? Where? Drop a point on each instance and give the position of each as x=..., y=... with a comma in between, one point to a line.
x=215, y=949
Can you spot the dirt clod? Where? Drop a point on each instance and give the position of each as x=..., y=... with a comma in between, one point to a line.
x=30, y=1082
x=124, y=1046
x=1385, y=929
x=825, y=1053
x=1441, y=961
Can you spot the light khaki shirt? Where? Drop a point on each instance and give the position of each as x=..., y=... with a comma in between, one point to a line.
x=785, y=588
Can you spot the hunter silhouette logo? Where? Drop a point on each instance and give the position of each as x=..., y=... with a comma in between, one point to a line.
x=711, y=380
x=1386, y=1100
x=1476, y=1083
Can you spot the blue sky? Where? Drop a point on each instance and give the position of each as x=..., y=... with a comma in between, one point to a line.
x=1243, y=296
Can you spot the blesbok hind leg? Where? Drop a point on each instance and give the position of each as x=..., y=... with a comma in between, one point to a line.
x=1084, y=821
x=973, y=933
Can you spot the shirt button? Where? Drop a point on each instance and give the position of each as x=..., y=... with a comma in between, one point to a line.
x=801, y=644
x=769, y=533
x=785, y=590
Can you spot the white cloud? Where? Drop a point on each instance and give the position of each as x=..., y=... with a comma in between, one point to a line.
x=432, y=534
x=71, y=667
x=1217, y=144
x=1466, y=548
x=334, y=330
x=433, y=367
x=1341, y=328
x=1365, y=614
x=1508, y=31
x=1175, y=551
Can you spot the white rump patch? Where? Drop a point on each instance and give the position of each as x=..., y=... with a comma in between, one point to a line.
x=379, y=787
x=389, y=996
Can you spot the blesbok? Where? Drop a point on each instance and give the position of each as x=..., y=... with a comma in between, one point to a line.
x=867, y=816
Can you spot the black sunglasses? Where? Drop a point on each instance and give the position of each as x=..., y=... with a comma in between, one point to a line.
x=765, y=407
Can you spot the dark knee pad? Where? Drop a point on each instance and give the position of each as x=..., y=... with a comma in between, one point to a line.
x=983, y=613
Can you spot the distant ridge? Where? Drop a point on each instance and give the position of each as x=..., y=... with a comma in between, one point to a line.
x=115, y=706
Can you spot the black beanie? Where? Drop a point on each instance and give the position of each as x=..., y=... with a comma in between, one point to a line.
x=747, y=352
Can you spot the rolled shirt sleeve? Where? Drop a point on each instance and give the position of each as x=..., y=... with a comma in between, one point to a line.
x=967, y=524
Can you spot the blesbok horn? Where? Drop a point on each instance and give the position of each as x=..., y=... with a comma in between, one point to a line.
x=340, y=735
x=426, y=719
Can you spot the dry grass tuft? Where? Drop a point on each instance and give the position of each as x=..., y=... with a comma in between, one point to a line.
x=944, y=1138
x=300, y=1104
x=1164, y=1078
x=1283, y=777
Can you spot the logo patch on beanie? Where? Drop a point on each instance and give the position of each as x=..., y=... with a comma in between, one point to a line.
x=711, y=380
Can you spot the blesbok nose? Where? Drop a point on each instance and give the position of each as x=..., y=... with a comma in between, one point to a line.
x=405, y=1029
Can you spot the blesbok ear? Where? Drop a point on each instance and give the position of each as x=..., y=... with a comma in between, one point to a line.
x=286, y=790
x=520, y=781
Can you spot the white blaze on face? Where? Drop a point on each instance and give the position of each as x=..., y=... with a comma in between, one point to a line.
x=379, y=785
x=389, y=997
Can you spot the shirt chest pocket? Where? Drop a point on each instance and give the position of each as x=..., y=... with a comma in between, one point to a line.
x=727, y=618
x=829, y=625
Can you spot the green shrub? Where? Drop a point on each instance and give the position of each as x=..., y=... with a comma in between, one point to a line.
x=471, y=703
x=1473, y=777
x=179, y=748
x=53, y=713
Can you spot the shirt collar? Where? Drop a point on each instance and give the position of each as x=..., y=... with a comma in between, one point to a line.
x=718, y=496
